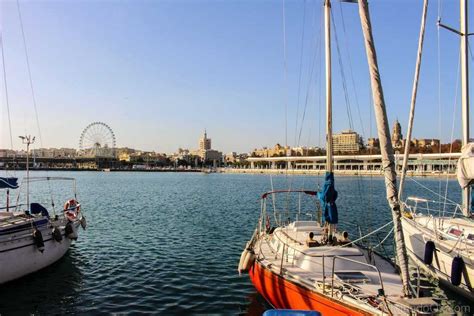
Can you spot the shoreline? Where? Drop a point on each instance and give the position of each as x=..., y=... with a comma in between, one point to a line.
x=336, y=172
x=301, y=172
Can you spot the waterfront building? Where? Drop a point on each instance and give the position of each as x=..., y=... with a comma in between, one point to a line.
x=347, y=141
x=7, y=153
x=276, y=151
x=54, y=153
x=230, y=157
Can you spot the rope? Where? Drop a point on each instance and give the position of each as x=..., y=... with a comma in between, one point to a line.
x=350, y=69
x=6, y=93
x=343, y=77
x=29, y=73
x=285, y=70
x=33, y=96
x=429, y=190
x=452, y=135
x=301, y=66
x=383, y=240
x=367, y=235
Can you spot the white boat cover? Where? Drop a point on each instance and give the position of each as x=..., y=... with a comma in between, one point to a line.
x=465, y=172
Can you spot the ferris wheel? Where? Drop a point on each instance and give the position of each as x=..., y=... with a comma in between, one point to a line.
x=97, y=139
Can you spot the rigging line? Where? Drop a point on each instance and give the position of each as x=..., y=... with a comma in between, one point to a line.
x=430, y=190
x=452, y=134
x=29, y=72
x=383, y=240
x=6, y=93
x=307, y=97
x=346, y=93
x=343, y=77
x=438, y=46
x=285, y=70
x=301, y=66
x=320, y=77
x=350, y=69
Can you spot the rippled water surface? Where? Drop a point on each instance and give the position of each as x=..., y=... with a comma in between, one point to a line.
x=169, y=243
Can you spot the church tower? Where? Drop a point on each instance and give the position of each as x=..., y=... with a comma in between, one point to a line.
x=397, y=137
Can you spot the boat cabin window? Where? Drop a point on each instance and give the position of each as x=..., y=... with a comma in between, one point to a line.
x=455, y=232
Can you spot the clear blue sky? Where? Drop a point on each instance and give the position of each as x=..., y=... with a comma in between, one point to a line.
x=159, y=72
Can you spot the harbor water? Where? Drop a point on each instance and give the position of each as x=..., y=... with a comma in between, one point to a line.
x=169, y=243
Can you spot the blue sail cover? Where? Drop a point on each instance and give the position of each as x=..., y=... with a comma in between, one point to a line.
x=328, y=196
x=8, y=183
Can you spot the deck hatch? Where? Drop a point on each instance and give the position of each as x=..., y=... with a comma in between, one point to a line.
x=352, y=277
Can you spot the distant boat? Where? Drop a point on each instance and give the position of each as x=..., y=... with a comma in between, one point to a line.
x=106, y=169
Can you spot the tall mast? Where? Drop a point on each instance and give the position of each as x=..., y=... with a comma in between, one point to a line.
x=388, y=161
x=466, y=194
x=413, y=98
x=327, y=33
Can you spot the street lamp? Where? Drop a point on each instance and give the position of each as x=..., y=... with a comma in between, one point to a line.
x=28, y=140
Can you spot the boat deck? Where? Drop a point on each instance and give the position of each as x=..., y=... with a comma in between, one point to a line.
x=313, y=266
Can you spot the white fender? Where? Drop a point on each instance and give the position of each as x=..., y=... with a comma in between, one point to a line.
x=248, y=261
x=243, y=256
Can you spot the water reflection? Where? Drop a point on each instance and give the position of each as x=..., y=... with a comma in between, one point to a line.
x=57, y=285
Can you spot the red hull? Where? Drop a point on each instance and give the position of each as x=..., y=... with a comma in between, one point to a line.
x=284, y=294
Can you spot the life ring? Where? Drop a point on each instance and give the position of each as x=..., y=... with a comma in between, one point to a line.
x=72, y=209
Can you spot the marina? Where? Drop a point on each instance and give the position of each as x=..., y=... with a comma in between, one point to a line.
x=120, y=266
x=344, y=215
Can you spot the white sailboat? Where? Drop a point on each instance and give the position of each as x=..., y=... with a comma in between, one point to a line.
x=296, y=261
x=31, y=237
x=442, y=243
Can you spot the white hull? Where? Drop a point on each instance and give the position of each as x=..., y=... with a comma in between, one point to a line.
x=19, y=255
x=420, y=230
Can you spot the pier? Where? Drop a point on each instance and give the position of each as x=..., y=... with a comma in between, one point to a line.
x=418, y=164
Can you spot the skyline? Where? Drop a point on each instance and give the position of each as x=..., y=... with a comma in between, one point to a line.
x=159, y=73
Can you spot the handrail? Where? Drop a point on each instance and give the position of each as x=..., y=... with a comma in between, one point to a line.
x=11, y=206
x=309, y=192
x=354, y=261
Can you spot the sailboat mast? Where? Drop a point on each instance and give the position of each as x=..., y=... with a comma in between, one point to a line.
x=413, y=98
x=327, y=33
x=466, y=194
x=386, y=149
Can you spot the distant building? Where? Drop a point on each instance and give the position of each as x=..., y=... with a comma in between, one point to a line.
x=397, y=136
x=7, y=153
x=347, y=141
x=425, y=142
x=373, y=143
x=54, y=153
x=230, y=157
x=277, y=151
x=204, y=142
x=205, y=151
